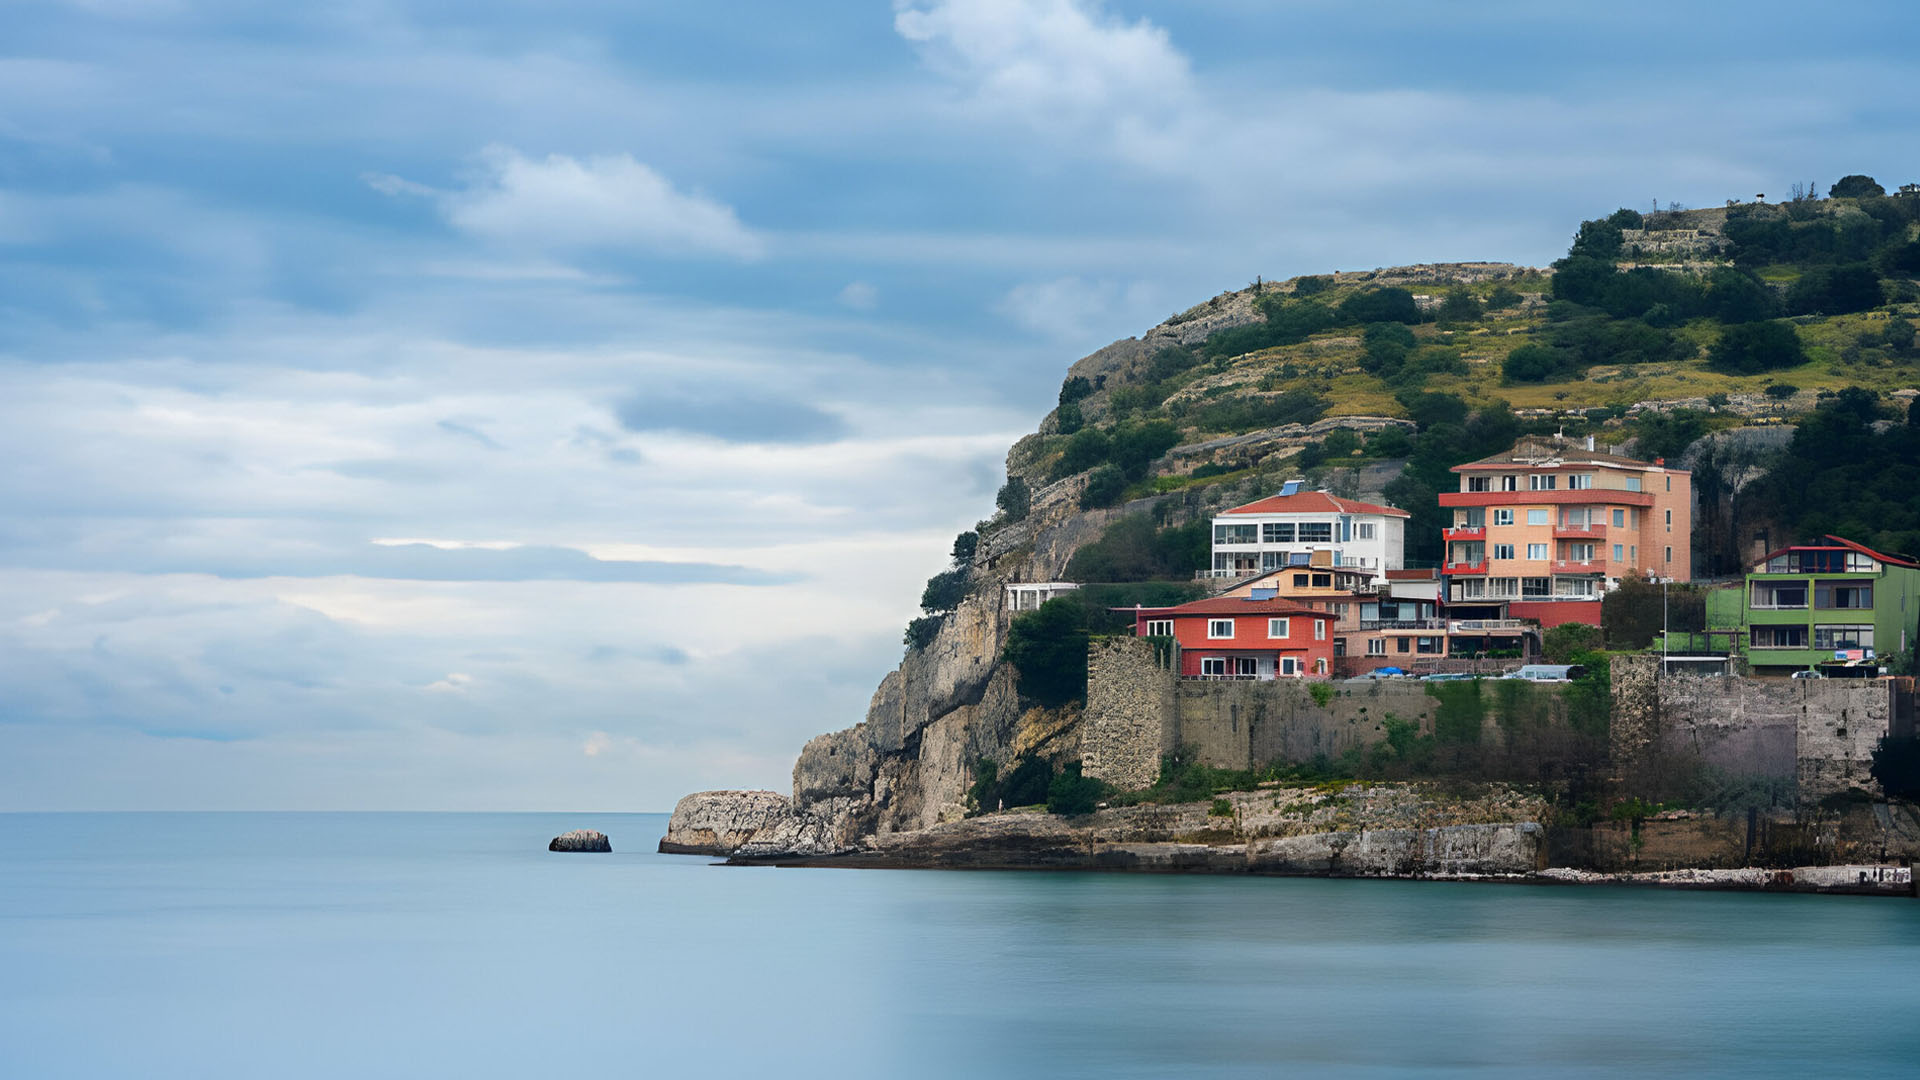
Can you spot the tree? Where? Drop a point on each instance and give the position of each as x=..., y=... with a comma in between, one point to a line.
x=1559, y=644
x=1392, y=442
x=1502, y=298
x=1068, y=419
x=964, y=546
x=1014, y=499
x=1532, y=364
x=1137, y=445
x=1735, y=296
x=944, y=591
x=1459, y=305
x=1131, y=549
x=921, y=632
x=1074, y=388
x=1751, y=348
x=1839, y=290
x=1855, y=187
x=1597, y=240
x=1380, y=305
x=1072, y=793
x=1781, y=391
x=1340, y=443
x=1048, y=649
x=1104, y=487
x=1311, y=284
x=1667, y=435
x=1088, y=447
x=1898, y=335
x=1633, y=613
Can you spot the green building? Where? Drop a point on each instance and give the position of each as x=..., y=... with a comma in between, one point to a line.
x=1837, y=607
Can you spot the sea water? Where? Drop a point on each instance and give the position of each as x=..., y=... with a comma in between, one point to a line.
x=455, y=945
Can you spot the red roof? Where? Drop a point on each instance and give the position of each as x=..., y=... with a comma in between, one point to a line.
x=1842, y=542
x=1239, y=605
x=1313, y=502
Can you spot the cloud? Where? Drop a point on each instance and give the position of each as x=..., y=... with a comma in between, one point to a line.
x=469, y=431
x=389, y=184
x=739, y=415
x=1076, y=309
x=596, y=202
x=859, y=296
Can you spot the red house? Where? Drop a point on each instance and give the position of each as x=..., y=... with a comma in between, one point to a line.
x=1235, y=637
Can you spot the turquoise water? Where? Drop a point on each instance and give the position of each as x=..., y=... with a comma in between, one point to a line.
x=431, y=945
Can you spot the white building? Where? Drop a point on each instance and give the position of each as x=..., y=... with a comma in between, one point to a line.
x=1303, y=528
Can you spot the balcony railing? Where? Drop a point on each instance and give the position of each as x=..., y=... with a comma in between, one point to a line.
x=1473, y=626
x=1579, y=566
x=1465, y=532
x=1465, y=567
x=1403, y=624
x=1579, y=532
x=1223, y=541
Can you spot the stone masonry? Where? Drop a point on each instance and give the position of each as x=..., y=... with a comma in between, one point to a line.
x=1129, y=706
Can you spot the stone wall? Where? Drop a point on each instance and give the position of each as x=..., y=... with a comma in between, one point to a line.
x=1840, y=721
x=1129, y=708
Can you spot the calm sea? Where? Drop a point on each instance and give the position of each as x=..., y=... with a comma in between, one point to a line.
x=454, y=945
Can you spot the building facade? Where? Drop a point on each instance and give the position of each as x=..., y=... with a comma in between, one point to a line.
x=1542, y=531
x=1834, y=606
x=1299, y=528
x=1239, y=637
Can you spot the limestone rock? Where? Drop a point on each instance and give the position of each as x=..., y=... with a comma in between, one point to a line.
x=580, y=840
x=718, y=822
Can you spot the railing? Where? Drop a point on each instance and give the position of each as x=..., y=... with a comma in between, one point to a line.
x=1207, y=575
x=1782, y=607
x=1465, y=532
x=1470, y=626
x=1403, y=624
x=1579, y=532
x=1465, y=567
x=1583, y=566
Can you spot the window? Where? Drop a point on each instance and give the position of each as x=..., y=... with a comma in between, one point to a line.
x=1479, y=483
x=1276, y=628
x=1316, y=532
x=1779, y=637
x=1536, y=586
x=1235, y=534
x=1843, y=637
x=1541, y=482
x=1320, y=666
x=1430, y=646
x=1503, y=551
x=1213, y=665
x=1633, y=483
x=1509, y=483
x=1580, y=482
x=1322, y=581
x=1339, y=646
x=1575, y=586
x=1401, y=644
x=1618, y=553
x=1619, y=519
x=1364, y=531
x=1277, y=532
x=1669, y=521
x=1376, y=646
x=1246, y=666
x=1579, y=552
x=1503, y=586
x=1319, y=629
x=1340, y=609
x=1536, y=551
x=1219, y=628
x=1159, y=627
x=1537, y=517
x=1299, y=581
x=1503, y=517
x=1669, y=483
x=1633, y=554
x=1842, y=594
x=1669, y=554
x=1289, y=666
x=1775, y=595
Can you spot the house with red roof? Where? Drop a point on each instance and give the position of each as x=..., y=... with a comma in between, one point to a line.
x=1307, y=528
x=1244, y=637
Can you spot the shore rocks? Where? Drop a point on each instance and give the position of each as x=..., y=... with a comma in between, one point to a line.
x=581, y=840
x=721, y=822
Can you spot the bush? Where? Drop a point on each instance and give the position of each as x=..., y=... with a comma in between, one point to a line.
x=1220, y=808
x=1502, y=298
x=1071, y=793
x=1459, y=305
x=1781, y=391
x=1311, y=284
x=1392, y=442
x=1751, y=348
x=1104, y=487
x=1559, y=644
x=1048, y=649
x=1087, y=448
x=921, y=632
x=1074, y=389
x=1839, y=290
x=944, y=591
x=1379, y=305
x=1131, y=549
x=1735, y=296
x=1067, y=419
x=1533, y=364
x=1667, y=435
x=1855, y=187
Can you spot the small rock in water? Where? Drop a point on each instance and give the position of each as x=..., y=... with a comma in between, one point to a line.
x=580, y=840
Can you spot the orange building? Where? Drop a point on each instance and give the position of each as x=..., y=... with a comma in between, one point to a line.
x=1542, y=531
x=1239, y=637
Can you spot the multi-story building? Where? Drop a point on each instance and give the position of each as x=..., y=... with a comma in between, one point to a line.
x=1290, y=528
x=1243, y=637
x=1834, y=606
x=1379, y=620
x=1541, y=531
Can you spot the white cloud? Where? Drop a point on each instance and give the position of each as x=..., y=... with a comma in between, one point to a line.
x=601, y=201
x=860, y=296
x=1076, y=309
x=454, y=683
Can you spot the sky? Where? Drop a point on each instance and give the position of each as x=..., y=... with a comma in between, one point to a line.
x=491, y=405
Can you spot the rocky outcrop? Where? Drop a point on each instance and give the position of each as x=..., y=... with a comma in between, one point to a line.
x=580, y=840
x=720, y=822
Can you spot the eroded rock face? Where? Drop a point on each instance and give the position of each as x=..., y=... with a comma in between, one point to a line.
x=719, y=822
x=581, y=840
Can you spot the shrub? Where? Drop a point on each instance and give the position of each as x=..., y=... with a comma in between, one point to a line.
x=1560, y=643
x=944, y=591
x=1751, y=348
x=1379, y=305
x=1026, y=784
x=1311, y=284
x=1839, y=290
x=921, y=632
x=1067, y=419
x=1534, y=363
x=1855, y=187
x=1087, y=448
x=1075, y=388
x=1502, y=298
x=986, y=773
x=1131, y=549
x=1104, y=487
x=1781, y=391
x=1220, y=808
x=1735, y=296
x=1071, y=793
x=1321, y=692
x=1459, y=305
x=1392, y=442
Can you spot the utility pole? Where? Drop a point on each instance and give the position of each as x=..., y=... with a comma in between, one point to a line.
x=1664, y=631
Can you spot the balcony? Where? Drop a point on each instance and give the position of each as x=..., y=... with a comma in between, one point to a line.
x=1487, y=626
x=1403, y=624
x=1230, y=575
x=1579, y=566
x=1465, y=567
x=1573, y=532
x=1465, y=533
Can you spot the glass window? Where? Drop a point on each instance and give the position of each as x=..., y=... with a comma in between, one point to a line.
x=1633, y=483
x=1235, y=534
x=1537, y=517
x=1219, y=628
x=1503, y=551
x=1479, y=483
x=1541, y=482
x=1669, y=521
x=1159, y=627
x=1580, y=482
x=1474, y=518
x=1536, y=551
x=1842, y=594
x=1779, y=594
x=1509, y=483
x=1316, y=532
x=1619, y=519
x=1319, y=629
x=1364, y=530
x=1669, y=554
x=1377, y=647
x=1503, y=517
x=1276, y=628
x=1277, y=532
x=1289, y=666
x=1779, y=637
x=1536, y=586
x=1321, y=581
x=1213, y=665
x=1618, y=554
x=1843, y=637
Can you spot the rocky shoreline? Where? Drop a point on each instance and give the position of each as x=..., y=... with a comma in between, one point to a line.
x=1389, y=831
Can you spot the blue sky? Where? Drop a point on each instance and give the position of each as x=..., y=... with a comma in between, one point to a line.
x=513, y=405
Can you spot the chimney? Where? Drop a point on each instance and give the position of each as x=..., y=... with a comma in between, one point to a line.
x=1659, y=461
